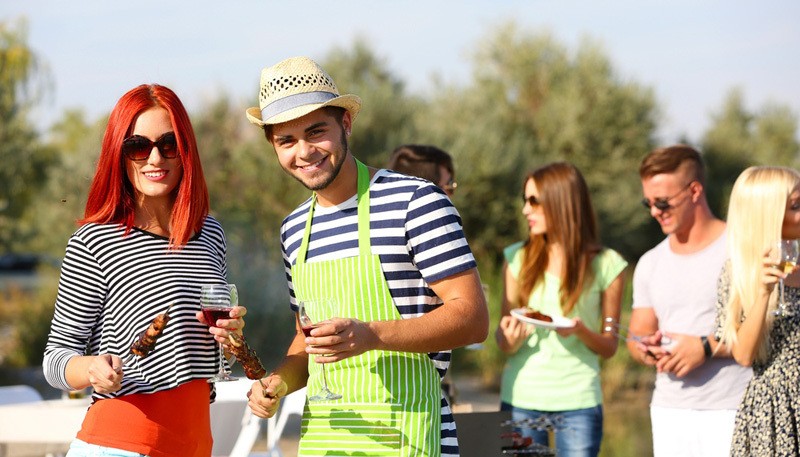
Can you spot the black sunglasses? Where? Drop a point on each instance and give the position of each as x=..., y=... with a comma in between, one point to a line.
x=662, y=204
x=531, y=200
x=138, y=148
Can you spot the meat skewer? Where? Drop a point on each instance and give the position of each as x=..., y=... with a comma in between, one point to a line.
x=147, y=339
x=533, y=314
x=246, y=356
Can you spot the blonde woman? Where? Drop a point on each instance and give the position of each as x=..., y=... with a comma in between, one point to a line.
x=553, y=375
x=764, y=208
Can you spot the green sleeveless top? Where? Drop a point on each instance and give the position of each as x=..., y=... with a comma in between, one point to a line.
x=549, y=372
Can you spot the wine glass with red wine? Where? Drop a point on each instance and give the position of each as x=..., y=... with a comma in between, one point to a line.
x=321, y=309
x=216, y=302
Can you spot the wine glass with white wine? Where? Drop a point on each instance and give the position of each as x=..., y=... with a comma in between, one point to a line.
x=788, y=252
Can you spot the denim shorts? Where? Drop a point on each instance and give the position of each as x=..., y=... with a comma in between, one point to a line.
x=577, y=432
x=80, y=448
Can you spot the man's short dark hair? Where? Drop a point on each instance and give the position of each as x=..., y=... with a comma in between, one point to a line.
x=421, y=160
x=672, y=158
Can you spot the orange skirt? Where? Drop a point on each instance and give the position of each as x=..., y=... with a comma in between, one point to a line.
x=174, y=422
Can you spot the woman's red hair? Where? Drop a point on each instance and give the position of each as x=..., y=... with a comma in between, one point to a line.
x=112, y=196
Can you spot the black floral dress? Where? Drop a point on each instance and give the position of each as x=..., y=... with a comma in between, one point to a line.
x=768, y=419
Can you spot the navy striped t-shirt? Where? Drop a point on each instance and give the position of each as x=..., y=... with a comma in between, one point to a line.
x=417, y=234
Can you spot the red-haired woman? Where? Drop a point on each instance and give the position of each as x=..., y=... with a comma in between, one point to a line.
x=552, y=378
x=146, y=243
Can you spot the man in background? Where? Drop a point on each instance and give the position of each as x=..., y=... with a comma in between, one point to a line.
x=427, y=162
x=431, y=163
x=697, y=388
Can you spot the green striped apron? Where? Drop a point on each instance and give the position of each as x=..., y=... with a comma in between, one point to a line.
x=390, y=403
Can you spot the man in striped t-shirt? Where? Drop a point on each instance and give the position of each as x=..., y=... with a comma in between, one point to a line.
x=389, y=251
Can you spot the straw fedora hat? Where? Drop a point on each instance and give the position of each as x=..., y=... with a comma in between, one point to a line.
x=295, y=87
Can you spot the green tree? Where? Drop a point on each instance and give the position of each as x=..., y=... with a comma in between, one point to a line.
x=739, y=138
x=386, y=118
x=62, y=198
x=25, y=160
x=532, y=101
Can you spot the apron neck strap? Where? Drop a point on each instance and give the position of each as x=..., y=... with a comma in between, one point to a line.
x=364, y=247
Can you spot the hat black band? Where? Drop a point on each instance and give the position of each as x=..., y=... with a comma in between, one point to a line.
x=293, y=101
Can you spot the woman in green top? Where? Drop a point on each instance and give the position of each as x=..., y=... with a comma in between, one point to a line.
x=552, y=376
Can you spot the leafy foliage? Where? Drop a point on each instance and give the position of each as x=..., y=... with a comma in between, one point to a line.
x=532, y=102
x=60, y=201
x=25, y=160
x=387, y=112
x=29, y=313
x=739, y=138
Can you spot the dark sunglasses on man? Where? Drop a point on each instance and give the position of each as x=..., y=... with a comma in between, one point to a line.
x=662, y=204
x=138, y=148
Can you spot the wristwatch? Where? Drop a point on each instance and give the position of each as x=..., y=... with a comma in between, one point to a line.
x=706, y=346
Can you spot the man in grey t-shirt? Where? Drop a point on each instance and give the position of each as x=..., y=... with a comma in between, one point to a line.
x=697, y=389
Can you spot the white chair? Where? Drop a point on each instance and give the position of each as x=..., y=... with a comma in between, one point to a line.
x=251, y=427
x=236, y=429
x=293, y=404
x=18, y=394
x=230, y=417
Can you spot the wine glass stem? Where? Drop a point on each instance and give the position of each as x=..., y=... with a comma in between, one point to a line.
x=782, y=303
x=324, y=378
x=222, y=370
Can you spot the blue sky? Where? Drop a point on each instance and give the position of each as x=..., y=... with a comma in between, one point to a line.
x=691, y=53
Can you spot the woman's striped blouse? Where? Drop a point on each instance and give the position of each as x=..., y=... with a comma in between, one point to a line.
x=112, y=285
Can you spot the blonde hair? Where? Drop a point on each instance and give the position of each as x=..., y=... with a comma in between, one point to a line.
x=755, y=217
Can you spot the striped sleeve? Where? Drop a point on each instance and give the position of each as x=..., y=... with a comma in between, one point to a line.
x=113, y=283
x=78, y=303
x=437, y=240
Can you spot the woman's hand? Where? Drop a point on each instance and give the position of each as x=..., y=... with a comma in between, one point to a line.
x=222, y=327
x=754, y=325
x=770, y=273
x=577, y=327
x=511, y=334
x=105, y=373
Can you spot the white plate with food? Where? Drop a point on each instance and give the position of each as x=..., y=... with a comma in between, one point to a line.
x=530, y=316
